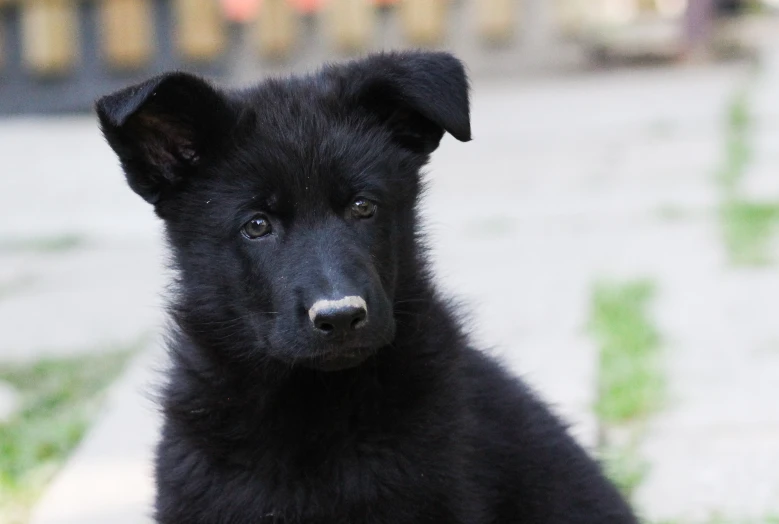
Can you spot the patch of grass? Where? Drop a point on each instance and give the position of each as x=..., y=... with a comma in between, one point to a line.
x=739, y=114
x=50, y=244
x=624, y=466
x=748, y=229
x=59, y=397
x=630, y=384
x=738, y=152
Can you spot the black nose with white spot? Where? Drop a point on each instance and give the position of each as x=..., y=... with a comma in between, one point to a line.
x=338, y=318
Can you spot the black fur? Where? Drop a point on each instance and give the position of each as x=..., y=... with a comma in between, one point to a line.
x=268, y=420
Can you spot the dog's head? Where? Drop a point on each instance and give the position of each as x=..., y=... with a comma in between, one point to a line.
x=289, y=207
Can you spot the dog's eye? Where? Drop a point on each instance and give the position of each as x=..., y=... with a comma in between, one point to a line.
x=362, y=208
x=257, y=227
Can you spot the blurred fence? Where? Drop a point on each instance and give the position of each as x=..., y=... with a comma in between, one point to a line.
x=58, y=55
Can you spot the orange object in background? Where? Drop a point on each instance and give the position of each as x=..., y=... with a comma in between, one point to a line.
x=312, y=6
x=307, y=6
x=240, y=10
x=246, y=10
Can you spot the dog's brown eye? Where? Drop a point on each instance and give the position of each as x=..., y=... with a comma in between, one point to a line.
x=362, y=208
x=257, y=227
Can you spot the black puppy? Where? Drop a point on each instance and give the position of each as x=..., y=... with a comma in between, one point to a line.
x=317, y=376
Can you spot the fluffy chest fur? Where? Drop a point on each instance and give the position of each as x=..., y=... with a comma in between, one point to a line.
x=316, y=447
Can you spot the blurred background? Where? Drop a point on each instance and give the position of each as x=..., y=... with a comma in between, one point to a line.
x=612, y=226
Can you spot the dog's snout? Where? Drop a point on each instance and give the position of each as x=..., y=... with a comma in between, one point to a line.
x=338, y=317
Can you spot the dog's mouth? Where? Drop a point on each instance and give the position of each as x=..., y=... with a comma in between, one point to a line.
x=347, y=359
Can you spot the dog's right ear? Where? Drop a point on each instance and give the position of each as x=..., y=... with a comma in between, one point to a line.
x=162, y=129
x=417, y=96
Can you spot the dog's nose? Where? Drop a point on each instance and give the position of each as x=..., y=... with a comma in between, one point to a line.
x=338, y=317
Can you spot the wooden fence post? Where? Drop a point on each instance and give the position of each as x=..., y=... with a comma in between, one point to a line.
x=127, y=32
x=498, y=19
x=277, y=28
x=352, y=23
x=200, y=29
x=49, y=36
x=424, y=21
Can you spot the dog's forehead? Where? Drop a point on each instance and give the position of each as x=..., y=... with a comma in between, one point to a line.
x=299, y=146
x=303, y=146
x=292, y=104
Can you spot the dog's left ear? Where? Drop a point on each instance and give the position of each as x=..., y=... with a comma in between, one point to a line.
x=418, y=95
x=162, y=129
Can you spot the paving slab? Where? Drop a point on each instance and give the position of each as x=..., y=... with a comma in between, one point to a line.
x=764, y=100
x=60, y=178
x=761, y=181
x=90, y=299
x=81, y=265
x=109, y=478
x=761, y=178
x=714, y=447
x=560, y=186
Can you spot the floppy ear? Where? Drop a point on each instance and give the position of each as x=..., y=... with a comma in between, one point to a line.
x=418, y=95
x=162, y=128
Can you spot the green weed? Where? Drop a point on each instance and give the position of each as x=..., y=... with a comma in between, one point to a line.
x=59, y=397
x=630, y=383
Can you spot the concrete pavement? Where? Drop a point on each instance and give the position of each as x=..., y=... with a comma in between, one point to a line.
x=110, y=476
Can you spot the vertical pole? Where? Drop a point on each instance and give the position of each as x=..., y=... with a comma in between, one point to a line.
x=277, y=28
x=498, y=19
x=49, y=36
x=540, y=27
x=424, y=21
x=352, y=24
x=699, y=22
x=200, y=29
x=3, y=45
x=126, y=32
